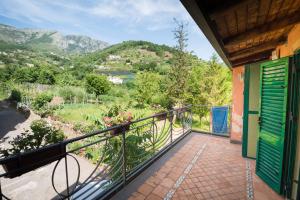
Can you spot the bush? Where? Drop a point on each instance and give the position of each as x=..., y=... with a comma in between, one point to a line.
x=42, y=134
x=162, y=100
x=15, y=95
x=46, y=77
x=83, y=128
x=97, y=84
x=41, y=100
x=69, y=94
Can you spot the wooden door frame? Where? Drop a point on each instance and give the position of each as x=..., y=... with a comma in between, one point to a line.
x=292, y=120
x=246, y=110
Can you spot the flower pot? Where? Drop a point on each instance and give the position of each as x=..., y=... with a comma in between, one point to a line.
x=19, y=164
x=120, y=129
x=161, y=116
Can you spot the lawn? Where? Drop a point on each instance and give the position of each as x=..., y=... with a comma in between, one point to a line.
x=74, y=113
x=85, y=113
x=204, y=125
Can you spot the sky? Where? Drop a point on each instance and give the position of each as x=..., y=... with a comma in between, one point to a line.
x=112, y=21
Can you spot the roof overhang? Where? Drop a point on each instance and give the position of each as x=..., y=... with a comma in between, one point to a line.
x=244, y=31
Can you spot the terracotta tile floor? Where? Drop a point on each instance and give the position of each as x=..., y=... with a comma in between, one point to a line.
x=205, y=167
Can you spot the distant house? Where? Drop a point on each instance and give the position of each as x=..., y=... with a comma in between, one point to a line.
x=114, y=57
x=100, y=67
x=29, y=65
x=115, y=80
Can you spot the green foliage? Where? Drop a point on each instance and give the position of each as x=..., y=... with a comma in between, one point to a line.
x=71, y=94
x=41, y=134
x=11, y=46
x=178, y=74
x=66, y=78
x=162, y=100
x=15, y=95
x=46, y=77
x=147, y=86
x=83, y=128
x=97, y=84
x=7, y=72
x=135, y=151
x=41, y=100
x=25, y=74
x=208, y=84
x=152, y=66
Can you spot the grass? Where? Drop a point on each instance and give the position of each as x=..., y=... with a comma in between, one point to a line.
x=201, y=126
x=3, y=95
x=78, y=113
x=74, y=113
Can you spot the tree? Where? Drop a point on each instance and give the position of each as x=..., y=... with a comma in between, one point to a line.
x=97, y=84
x=46, y=77
x=218, y=82
x=147, y=86
x=26, y=74
x=41, y=100
x=179, y=70
x=209, y=84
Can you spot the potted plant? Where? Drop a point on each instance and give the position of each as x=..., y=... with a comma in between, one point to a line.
x=16, y=165
x=121, y=122
x=34, y=149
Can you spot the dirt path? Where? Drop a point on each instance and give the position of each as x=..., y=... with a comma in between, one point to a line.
x=36, y=185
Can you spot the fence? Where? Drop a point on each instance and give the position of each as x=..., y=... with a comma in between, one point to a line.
x=204, y=121
x=119, y=154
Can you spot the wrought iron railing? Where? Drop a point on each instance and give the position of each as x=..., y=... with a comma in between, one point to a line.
x=118, y=155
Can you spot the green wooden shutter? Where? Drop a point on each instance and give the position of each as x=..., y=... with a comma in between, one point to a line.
x=273, y=108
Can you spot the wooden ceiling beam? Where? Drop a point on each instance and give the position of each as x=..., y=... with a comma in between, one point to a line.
x=255, y=49
x=228, y=7
x=265, y=28
x=251, y=59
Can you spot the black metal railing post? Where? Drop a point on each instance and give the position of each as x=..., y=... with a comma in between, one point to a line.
x=67, y=177
x=182, y=121
x=1, y=196
x=153, y=135
x=171, y=125
x=124, y=156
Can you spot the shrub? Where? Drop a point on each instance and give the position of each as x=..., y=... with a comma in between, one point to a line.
x=15, y=95
x=83, y=128
x=41, y=100
x=46, y=77
x=97, y=84
x=69, y=94
x=42, y=134
x=161, y=100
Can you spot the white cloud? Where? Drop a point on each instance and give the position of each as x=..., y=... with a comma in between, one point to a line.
x=152, y=14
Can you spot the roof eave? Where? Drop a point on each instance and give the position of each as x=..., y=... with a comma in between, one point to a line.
x=200, y=18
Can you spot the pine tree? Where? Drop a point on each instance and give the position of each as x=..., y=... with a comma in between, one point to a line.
x=179, y=70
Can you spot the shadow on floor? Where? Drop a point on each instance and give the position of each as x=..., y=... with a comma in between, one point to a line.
x=9, y=118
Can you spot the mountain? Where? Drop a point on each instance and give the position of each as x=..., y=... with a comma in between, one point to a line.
x=48, y=40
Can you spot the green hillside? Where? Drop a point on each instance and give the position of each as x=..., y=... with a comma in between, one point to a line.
x=131, y=56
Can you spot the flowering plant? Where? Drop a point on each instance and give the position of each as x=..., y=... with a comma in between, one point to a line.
x=121, y=118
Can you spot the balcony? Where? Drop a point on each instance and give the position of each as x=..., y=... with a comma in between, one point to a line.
x=157, y=157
